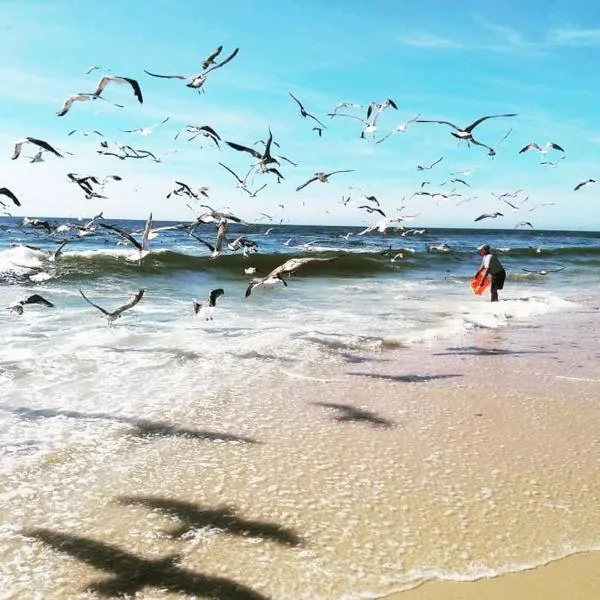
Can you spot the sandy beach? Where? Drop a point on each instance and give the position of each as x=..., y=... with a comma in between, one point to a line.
x=474, y=459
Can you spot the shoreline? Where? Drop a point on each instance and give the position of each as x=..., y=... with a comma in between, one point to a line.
x=340, y=471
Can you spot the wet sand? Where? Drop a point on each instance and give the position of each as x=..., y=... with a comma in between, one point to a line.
x=352, y=479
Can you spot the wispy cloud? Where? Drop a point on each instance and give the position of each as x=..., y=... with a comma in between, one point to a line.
x=575, y=36
x=424, y=39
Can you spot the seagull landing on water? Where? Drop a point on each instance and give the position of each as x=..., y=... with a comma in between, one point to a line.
x=115, y=314
x=211, y=303
x=17, y=307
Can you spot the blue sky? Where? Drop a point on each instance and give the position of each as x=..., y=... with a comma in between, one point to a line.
x=454, y=61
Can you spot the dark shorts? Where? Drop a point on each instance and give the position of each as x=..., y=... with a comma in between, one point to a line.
x=498, y=280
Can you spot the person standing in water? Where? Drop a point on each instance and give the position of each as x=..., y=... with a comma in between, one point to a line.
x=490, y=265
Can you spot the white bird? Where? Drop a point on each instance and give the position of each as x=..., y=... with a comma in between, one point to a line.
x=115, y=314
x=489, y=216
x=146, y=130
x=542, y=150
x=551, y=164
x=64, y=109
x=399, y=128
x=382, y=225
x=287, y=268
x=104, y=81
x=212, y=301
x=322, y=177
x=40, y=143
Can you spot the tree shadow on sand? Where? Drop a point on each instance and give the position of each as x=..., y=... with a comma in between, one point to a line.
x=128, y=574
x=225, y=519
x=407, y=378
x=142, y=427
x=349, y=413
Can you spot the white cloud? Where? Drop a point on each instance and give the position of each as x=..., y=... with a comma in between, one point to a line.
x=428, y=40
x=575, y=36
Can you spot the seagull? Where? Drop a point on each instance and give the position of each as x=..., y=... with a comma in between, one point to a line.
x=212, y=300
x=104, y=81
x=143, y=246
x=203, y=130
x=115, y=314
x=6, y=192
x=319, y=130
x=145, y=130
x=381, y=225
x=263, y=159
x=243, y=243
x=543, y=271
x=493, y=150
x=197, y=80
x=379, y=107
x=186, y=190
x=17, y=307
x=399, y=128
x=422, y=168
x=305, y=114
x=489, y=216
x=64, y=109
x=371, y=209
x=343, y=105
x=86, y=133
x=551, y=164
x=211, y=58
x=584, y=184
x=322, y=177
x=95, y=68
x=287, y=268
x=30, y=140
x=467, y=132
x=524, y=224
x=51, y=254
x=543, y=150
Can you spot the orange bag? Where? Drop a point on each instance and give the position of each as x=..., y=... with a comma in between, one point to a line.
x=477, y=281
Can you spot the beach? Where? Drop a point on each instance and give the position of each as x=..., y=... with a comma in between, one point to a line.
x=419, y=468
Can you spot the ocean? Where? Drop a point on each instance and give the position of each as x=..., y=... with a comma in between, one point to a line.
x=74, y=387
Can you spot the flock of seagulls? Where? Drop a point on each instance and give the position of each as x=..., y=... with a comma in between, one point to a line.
x=266, y=162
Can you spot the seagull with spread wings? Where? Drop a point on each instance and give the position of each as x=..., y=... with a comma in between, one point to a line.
x=31, y=140
x=541, y=149
x=66, y=106
x=146, y=130
x=304, y=113
x=197, y=80
x=17, y=307
x=585, y=183
x=211, y=303
x=322, y=177
x=104, y=81
x=6, y=192
x=466, y=133
x=287, y=268
x=115, y=314
x=489, y=216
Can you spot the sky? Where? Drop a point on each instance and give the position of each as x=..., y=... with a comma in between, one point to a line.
x=442, y=60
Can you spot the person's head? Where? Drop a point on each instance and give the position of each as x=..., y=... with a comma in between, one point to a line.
x=484, y=249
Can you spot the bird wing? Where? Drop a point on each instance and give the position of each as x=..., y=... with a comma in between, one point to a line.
x=342, y=171
x=485, y=216
x=166, y=76
x=316, y=120
x=241, y=148
x=123, y=234
x=441, y=122
x=17, y=151
x=129, y=304
x=209, y=246
x=531, y=146
x=94, y=305
x=36, y=299
x=137, y=90
x=146, y=234
x=297, y=102
x=221, y=232
x=214, y=294
x=556, y=146
x=211, y=58
x=210, y=130
x=44, y=145
x=223, y=62
x=481, y=119
x=232, y=172
x=306, y=183
x=6, y=192
x=59, y=250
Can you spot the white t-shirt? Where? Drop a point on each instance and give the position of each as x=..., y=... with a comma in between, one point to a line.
x=492, y=264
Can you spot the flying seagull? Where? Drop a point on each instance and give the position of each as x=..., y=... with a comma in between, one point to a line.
x=212, y=300
x=203, y=130
x=543, y=271
x=264, y=159
x=64, y=109
x=40, y=143
x=584, y=184
x=542, y=150
x=197, y=80
x=467, y=132
x=146, y=130
x=422, y=168
x=287, y=268
x=322, y=177
x=489, y=216
x=115, y=314
x=305, y=114
x=51, y=254
x=6, y=192
x=210, y=60
x=33, y=299
x=135, y=86
x=399, y=128
x=380, y=106
x=524, y=224
x=551, y=164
